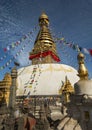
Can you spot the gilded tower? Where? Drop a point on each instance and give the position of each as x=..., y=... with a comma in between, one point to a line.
x=82, y=71
x=66, y=90
x=5, y=88
x=44, y=50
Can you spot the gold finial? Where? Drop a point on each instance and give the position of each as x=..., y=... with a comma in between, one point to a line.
x=43, y=20
x=82, y=71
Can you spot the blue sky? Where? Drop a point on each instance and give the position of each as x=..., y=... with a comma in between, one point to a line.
x=71, y=19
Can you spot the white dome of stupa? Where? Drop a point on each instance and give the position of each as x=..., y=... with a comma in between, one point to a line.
x=44, y=79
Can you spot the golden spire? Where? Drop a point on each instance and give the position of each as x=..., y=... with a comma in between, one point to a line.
x=66, y=90
x=82, y=71
x=44, y=46
x=67, y=86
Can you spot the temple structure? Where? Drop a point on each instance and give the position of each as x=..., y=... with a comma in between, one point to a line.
x=40, y=82
x=45, y=66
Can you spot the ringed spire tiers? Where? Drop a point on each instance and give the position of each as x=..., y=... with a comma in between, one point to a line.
x=44, y=50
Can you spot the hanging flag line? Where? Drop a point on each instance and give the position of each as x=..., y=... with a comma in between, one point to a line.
x=16, y=44
x=17, y=54
x=74, y=46
x=13, y=45
x=68, y=56
x=33, y=79
x=14, y=57
x=33, y=75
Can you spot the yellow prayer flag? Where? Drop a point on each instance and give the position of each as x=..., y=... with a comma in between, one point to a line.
x=30, y=86
x=62, y=38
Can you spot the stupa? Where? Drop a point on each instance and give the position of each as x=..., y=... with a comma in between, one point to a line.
x=45, y=75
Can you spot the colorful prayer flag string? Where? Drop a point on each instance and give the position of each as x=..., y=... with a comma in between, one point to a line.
x=74, y=46
x=16, y=44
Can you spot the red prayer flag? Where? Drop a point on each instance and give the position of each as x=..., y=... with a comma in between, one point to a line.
x=5, y=49
x=90, y=51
